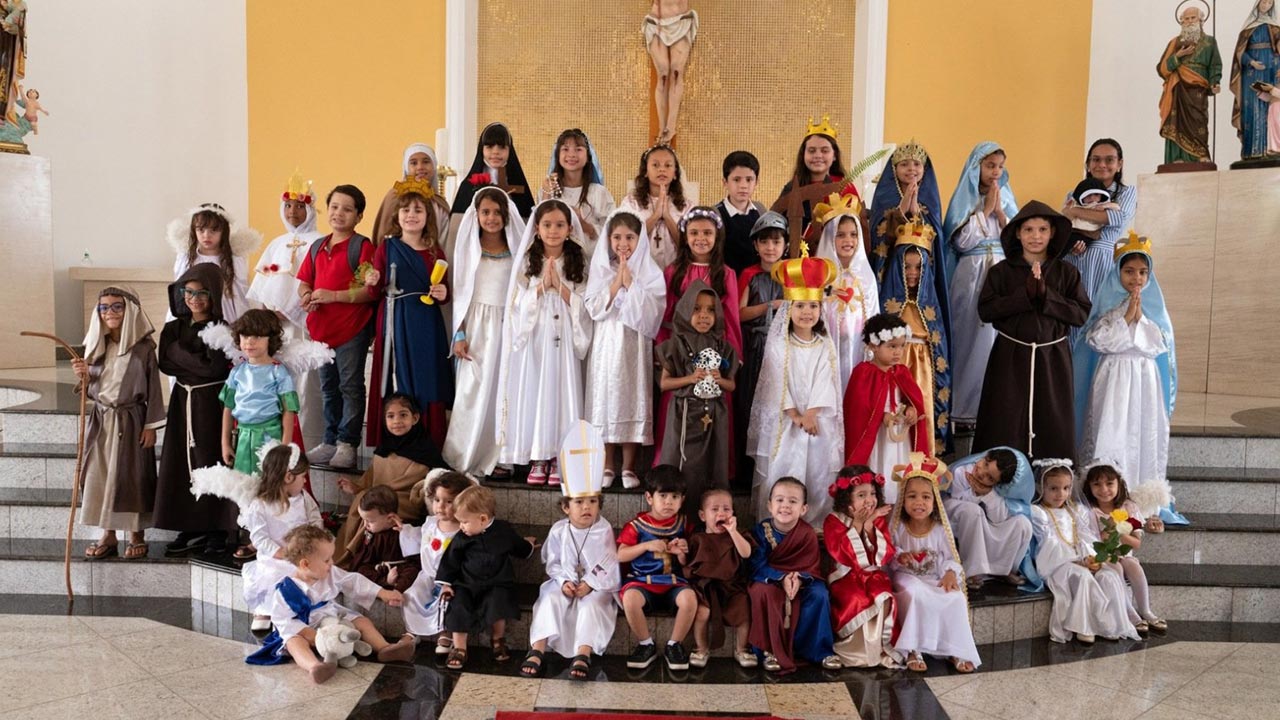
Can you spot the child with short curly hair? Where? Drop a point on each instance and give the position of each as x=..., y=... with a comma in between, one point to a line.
x=259, y=400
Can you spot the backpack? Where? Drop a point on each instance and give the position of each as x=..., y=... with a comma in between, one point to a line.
x=355, y=246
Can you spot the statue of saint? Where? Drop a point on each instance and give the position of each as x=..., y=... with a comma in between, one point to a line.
x=669, y=32
x=1255, y=62
x=13, y=37
x=1192, y=69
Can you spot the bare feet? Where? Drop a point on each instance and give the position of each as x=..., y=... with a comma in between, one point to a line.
x=399, y=651
x=322, y=672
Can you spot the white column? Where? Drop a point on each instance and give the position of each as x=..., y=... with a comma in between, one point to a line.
x=460, y=84
x=871, y=48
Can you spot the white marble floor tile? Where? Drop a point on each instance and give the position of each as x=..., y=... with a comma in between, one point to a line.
x=62, y=672
x=145, y=699
x=167, y=650
x=23, y=634
x=232, y=690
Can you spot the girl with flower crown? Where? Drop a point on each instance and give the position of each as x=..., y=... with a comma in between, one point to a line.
x=856, y=534
x=884, y=410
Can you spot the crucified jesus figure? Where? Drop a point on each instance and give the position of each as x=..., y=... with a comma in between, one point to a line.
x=669, y=31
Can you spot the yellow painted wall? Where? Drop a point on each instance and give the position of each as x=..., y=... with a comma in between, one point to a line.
x=338, y=90
x=963, y=71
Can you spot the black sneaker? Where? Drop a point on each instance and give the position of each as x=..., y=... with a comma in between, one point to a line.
x=677, y=657
x=642, y=657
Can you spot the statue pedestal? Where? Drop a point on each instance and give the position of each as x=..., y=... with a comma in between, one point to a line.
x=1186, y=167
x=1214, y=240
x=26, y=260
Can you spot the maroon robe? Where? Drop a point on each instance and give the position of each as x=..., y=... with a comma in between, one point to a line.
x=798, y=552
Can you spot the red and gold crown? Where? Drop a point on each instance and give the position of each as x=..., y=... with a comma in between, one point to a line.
x=920, y=465
x=822, y=128
x=1133, y=243
x=916, y=232
x=297, y=189
x=845, y=202
x=804, y=278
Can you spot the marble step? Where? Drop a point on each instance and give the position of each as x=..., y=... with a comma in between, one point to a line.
x=35, y=566
x=1217, y=539
x=1238, y=593
x=1226, y=489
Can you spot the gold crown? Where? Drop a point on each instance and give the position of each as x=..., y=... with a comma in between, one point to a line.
x=822, y=128
x=804, y=278
x=835, y=205
x=297, y=189
x=918, y=233
x=1133, y=243
x=922, y=466
x=414, y=185
x=911, y=151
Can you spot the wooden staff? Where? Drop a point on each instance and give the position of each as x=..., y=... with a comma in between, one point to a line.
x=75, y=480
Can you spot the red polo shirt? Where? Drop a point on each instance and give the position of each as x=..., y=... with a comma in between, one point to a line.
x=334, y=324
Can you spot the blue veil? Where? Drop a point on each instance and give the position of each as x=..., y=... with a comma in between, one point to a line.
x=1018, y=496
x=965, y=199
x=887, y=196
x=597, y=177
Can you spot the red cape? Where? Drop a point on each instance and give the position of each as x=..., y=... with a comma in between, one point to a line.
x=864, y=403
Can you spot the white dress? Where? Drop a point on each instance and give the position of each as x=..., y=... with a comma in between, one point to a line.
x=573, y=555
x=355, y=589
x=469, y=446
x=1126, y=421
x=931, y=620
x=887, y=452
x=977, y=243
x=785, y=449
x=267, y=526
x=844, y=313
x=1083, y=602
x=991, y=540
x=423, y=613
x=234, y=303
x=619, y=388
x=598, y=206
x=661, y=246
x=542, y=393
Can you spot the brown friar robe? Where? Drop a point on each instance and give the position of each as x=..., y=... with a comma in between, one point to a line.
x=396, y=472
x=373, y=555
x=720, y=575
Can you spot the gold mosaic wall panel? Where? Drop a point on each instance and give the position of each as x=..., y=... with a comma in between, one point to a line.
x=757, y=71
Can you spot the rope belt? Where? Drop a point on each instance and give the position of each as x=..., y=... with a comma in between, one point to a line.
x=191, y=439
x=1031, y=396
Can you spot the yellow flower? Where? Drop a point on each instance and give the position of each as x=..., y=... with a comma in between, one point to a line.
x=1119, y=515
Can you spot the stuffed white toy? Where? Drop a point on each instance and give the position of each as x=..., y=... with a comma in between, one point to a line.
x=338, y=641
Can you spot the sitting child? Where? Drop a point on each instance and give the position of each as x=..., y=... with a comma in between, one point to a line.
x=720, y=576
x=375, y=552
x=479, y=581
x=577, y=606
x=990, y=515
x=655, y=546
x=310, y=594
x=423, y=610
x=1106, y=491
x=928, y=579
x=856, y=534
x=785, y=570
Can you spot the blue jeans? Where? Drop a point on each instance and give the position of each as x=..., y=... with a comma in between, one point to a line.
x=342, y=386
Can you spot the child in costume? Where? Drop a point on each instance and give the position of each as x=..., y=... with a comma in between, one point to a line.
x=258, y=399
x=718, y=570
x=928, y=579
x=819, y=171
x=119, y=474
x=403, y=457
x=207, y=234
x=658, y=199
x=625, y=296
x=1089, y=598
x=411, y=345
x=1033, y=299
x=855, y=295
x=856, y=534
x=654, y=546
x=884, y=418
x=1105, y=492
x=739, y=212
x=575, y=176
x=545, y=338
x=488, y=235
x=796, y=425
x=790, y=607
x=1090, y=194
x=495, y=164
x=698, y=367
x=331, y=285
x=477, y=577
x=988, y=501
x=907, y=194
x=759, y=297
x=196, y=431
x=700, y=256
x=419, y=164
x=980, y=207
x=275, y=287
x=577, y=607
x=1126, y=378
x=309, y=594
x=375, y=551
x=423, y=609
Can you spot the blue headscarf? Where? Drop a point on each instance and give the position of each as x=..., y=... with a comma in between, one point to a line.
x=886, y=197
x=1017, y=496
x=966, y=199
x=598, y=170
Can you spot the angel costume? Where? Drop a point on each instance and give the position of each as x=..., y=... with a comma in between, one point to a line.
x=992, y=530
x=619, y=388
x=243, y=241
x=796, y=375
x=119, y=475
x=574, y=555
x=855, y=296
x=1140, y=603
x=268, y=523
x=275, y=287
x=480, y=284
x=862, y=603
x=295, y=605
x=968, y=248
x=423, y=611
x=437, y=209
x=592, y=200
x=544, y=343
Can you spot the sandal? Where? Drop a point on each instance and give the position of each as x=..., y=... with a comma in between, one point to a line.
x=245, y=552
x=501, y=653
x=443, y=644
x=135, y=551
x=581, y=667
x=501, y=474
x=531, y=669
x=457, y=659
x=915, y=662
x=98, y=550
x=962, y=666
x=1157, y=624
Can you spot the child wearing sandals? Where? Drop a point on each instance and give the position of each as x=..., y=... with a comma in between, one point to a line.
x=477, y=577
x=577, y=607
x=423, y=609
x=1105, y=491
x=309, y=595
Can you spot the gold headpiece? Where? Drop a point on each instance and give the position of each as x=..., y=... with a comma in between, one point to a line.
x=837, y=204
x=414, y=185
x=822, y=128
x=911, y=151
x=918, y=233
x=804, y=278
x=920, y=465
x=296, y=189
x=1133, y=243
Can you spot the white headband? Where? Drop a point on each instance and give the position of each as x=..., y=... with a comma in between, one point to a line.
x=887, y=334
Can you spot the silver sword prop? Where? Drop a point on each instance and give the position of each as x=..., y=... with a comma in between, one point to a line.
x=388, y=334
